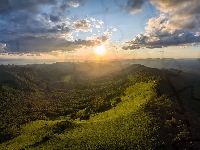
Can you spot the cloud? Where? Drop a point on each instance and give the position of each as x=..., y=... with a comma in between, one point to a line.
x=100, y=22
x=34, y=6
x=4, y=7
x=108, y=33
x=95, y=37
x=178, y=7
x=92, y=19
x=159, y=41
x=2, y=46
x=114, y=29
x=82, y=25
x=73, y=45
x=74, y=3
x=97, y=26
x=26, y=27
x=64, y=6
x=55, y=18
x=71, y=3
x=134, y=6
x=32, y=44
x=103, y=38
x=178, y=24
x=27, y=5
x=96, y=23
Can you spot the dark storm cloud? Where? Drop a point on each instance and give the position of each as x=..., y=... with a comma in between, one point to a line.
x=178, y=24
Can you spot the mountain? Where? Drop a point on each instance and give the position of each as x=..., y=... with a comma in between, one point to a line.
x=134, y=107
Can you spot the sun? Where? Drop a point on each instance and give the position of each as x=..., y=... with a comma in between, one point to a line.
x=99, y=50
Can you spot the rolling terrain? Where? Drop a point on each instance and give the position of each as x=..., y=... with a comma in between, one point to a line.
x=131, y=107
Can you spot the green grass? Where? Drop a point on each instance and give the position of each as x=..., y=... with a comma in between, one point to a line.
x=67, y=78
x=126, y=126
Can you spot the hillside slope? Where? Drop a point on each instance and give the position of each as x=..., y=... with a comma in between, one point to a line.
x=127, y=125
x=142, y=116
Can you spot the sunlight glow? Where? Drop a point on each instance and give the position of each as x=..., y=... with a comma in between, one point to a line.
x=99, y=50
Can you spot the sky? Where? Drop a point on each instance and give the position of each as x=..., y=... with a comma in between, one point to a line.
x=72, y=29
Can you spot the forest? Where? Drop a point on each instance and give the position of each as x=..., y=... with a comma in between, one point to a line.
x=98, y=105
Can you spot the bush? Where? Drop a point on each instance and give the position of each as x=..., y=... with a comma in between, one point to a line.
x=115, y=101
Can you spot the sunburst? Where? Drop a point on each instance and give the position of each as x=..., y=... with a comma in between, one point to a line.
x=100, y=50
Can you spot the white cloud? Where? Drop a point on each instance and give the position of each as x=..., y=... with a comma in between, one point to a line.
x=107, y=33
x=97, y=26
x=82, y=25
x=2, y=46
x=114, y=29
x=95, y=37
x=197, y=34
x=181, y=34
x=75, y=3
x=178, y=24
x=100, y=22
x=92, y=19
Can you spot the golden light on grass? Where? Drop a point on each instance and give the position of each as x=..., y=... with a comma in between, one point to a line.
x=100, y=50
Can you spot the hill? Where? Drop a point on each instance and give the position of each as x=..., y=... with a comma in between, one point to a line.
x=133, y=108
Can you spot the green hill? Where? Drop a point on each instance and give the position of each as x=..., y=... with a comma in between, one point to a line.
x=131, y=110
x=128, y=125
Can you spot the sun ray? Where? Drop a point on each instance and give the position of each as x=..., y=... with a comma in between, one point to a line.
x=100, y=50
